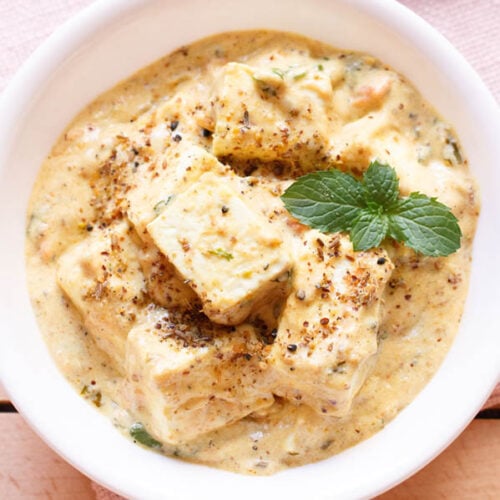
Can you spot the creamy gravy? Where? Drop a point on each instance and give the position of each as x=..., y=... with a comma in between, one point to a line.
x=378, y=114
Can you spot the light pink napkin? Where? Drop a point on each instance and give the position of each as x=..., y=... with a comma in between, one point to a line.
x=472, y=26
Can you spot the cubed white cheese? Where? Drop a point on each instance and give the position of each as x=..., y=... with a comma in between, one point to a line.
x=229, y=254
x=188, y=377
x=152, y=188
x=164, y=286
x=327, y=334
x=103, y=279
x=273, y=115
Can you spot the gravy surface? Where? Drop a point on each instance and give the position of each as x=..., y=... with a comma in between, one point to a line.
x=378, y=114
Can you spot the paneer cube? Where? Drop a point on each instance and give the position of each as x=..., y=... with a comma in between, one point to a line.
x=188, y=376
x=164, y=286
x=168, y=174
x=273, y=115
x=230, y=255
x=102, y=277
x=327, y=335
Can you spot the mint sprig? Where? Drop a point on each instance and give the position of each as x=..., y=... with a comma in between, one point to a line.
x=371, y=210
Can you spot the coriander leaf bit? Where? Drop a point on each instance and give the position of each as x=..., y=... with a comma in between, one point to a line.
x=371, y=210
x=141, y=435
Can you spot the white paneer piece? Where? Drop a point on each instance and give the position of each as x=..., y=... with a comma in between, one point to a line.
x=327, y=335
x=169, y=173
x=268, y=114
x=188, y=376
x=229, y=254
x=164, y=286
x=102, y=277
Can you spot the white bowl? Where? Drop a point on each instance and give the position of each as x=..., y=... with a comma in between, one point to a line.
x=109, y=41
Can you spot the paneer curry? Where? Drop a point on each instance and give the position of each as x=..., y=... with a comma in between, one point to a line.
x=181, y=298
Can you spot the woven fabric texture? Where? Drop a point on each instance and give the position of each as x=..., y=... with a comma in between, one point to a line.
x=471, y=26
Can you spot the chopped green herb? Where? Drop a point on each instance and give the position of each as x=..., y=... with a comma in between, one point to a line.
x=281, y=73
x=90, y=393
x=321, y=67
x=160, y=206
x=457, y=156
x=141, y=435
x=300, y=75
x=372, y=210
x=219, y=252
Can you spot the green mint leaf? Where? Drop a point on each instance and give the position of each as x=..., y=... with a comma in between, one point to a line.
x=371, y=210
x=368, y=230
x=381, y=184
x=426, y=225
x=328, y=201
x=141, y=435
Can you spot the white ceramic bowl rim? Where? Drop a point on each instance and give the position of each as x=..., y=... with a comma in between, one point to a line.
x=73, y=428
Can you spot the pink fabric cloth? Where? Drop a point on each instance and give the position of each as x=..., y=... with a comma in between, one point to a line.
x=473, y=27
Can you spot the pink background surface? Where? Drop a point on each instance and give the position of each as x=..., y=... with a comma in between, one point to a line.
x=472, y=26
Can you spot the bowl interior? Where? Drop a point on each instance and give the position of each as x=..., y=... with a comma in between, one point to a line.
x=111, y=40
